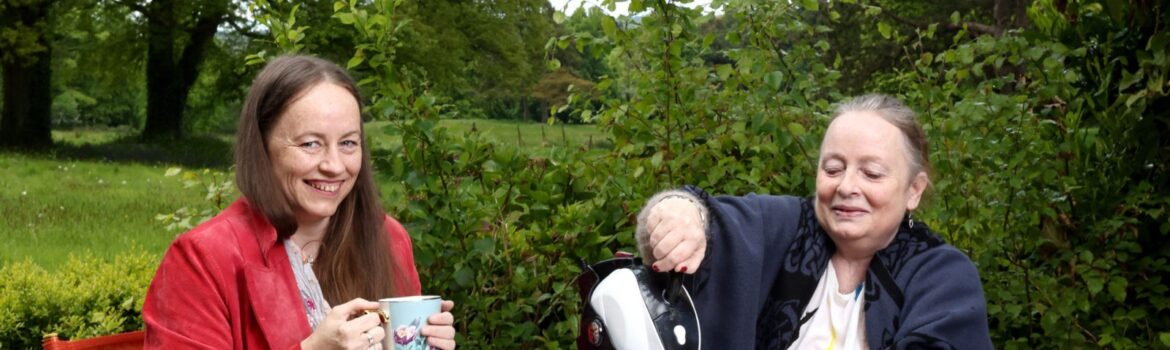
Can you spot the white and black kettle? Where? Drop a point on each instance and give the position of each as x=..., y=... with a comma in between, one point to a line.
x=626, y=306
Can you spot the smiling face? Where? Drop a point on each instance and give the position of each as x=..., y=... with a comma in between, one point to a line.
x=315, y=147
x=864, y=182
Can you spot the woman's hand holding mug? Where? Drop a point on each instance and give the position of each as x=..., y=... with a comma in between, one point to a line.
x=440, y=331
x=338, y=331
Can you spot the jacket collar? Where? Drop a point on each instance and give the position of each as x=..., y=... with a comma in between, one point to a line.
x=268, y=278
x=263, y=233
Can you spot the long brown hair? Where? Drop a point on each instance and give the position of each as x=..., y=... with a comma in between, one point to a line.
x=354, y=259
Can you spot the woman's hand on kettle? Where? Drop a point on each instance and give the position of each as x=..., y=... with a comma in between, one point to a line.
x=440, y=329
x=339, y=331
x=677, y=238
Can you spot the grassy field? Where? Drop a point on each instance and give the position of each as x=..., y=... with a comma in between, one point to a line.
x=51, y=208
x=98, y=191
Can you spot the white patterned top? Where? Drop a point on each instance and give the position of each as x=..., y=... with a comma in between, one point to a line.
x=315, y=305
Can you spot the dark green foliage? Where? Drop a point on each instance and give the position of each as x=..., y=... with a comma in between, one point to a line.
x=97, y=75
x=1039, y=174
x=1050, y=159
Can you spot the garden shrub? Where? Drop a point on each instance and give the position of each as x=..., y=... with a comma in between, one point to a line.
x=1031, y=140
x=1049, y=159
x=83, y=298
x=1049, y=184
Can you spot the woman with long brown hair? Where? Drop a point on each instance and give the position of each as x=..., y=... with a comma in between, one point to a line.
x=297, y=259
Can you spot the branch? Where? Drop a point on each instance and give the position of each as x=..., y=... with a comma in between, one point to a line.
x=978, y=28
x=200, y=34
x=134, y=5
x=234, y=21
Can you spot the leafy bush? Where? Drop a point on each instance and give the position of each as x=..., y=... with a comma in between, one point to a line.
x=84, y=298
x=501, y=232
x=1048, y=182
x=1050, y=166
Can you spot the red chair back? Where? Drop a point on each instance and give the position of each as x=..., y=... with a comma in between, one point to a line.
x=123, y=341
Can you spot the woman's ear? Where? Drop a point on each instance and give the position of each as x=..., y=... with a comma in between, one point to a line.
x=917, y=187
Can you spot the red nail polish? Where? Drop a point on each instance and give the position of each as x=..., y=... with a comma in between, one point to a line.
x=683, y=269
x=654, y=267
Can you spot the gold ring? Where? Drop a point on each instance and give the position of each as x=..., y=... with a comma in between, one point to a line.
x=382, y=317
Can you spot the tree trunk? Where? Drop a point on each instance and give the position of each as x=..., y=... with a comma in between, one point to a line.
x=170, y=74
x=164, y=106
x=26, y=119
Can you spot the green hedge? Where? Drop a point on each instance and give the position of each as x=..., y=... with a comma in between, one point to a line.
x=1050, y=159
x=83, y=298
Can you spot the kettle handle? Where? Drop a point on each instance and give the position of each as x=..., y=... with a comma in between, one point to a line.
x=674, y=290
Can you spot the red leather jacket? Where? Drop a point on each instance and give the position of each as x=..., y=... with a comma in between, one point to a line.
x=228, y=284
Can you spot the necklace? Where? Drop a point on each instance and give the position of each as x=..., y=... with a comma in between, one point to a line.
x=306, y=258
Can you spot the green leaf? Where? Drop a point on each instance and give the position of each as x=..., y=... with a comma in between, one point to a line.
x=811, y=5
x=1133, y=99
x=609, y=27
x=1128, y=79
x=356, y=60
x=796, y=129
x=345, y=18
x=1094, y=282
x=173, y=171
x=558, y=17
x=1165, y=338
x=724, y=71
x=884, y=29
x=1117, y=286
x=483, y=246
x=463, y=277
x=773, y=80
x=637, y=6
x=707, y=40
x=734, y=38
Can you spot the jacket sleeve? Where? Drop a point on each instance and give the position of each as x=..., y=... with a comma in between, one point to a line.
x=185, y=306
x=401, y=247
x=746, y=239
x=945, y=307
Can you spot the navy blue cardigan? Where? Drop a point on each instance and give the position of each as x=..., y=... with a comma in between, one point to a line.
x=766, y=254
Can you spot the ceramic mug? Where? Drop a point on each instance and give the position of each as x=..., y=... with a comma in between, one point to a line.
x=406, y=318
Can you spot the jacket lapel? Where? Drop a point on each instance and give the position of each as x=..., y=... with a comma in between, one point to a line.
x=272, y=292
x=272, y=304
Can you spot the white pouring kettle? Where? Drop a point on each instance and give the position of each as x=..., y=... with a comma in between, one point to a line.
x=626, y=306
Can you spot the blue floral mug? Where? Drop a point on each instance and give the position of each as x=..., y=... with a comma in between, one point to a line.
x=407, y=316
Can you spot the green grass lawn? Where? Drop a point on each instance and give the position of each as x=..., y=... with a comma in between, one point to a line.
x=51, y=208
x=98, y=191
